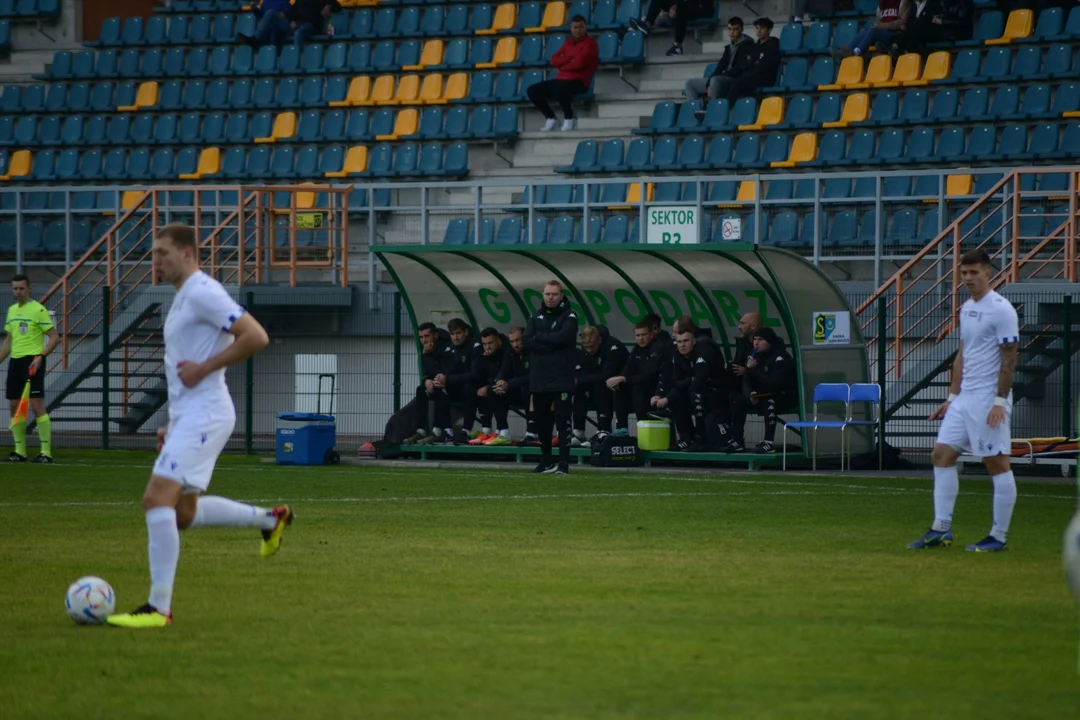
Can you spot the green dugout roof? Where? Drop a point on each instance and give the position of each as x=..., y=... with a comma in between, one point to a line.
x=617, y=285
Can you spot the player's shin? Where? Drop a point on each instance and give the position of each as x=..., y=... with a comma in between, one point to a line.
x=44, y=428
x=19, y=431
x=164, y=551
x=946, y=488
x=213, y=511
x=1004, y=502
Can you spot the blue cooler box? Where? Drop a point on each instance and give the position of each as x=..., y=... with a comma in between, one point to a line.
x=305, y=438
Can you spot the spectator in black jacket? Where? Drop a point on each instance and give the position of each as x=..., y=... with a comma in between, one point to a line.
x=303, y=19
x=760, y=66
x=934, y=21
x=462, y=355
x=770, y=387
x=602, y=357
x=640, y=377
x=433, y=346
x=716, y=85
x=550, y=341
x=696, y=392
x=680, y=12
x=486, y=371
x=513, y=382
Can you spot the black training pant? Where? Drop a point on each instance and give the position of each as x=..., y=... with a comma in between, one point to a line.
x=769, y=407
x=598, y=397
x=685, y=11
x=561, y=91
x=559, y=420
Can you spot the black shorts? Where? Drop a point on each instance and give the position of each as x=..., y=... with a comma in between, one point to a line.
x=17, y=375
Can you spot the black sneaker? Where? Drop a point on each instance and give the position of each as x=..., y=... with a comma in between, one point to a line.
x=545, y=467
x=531, y=440
x=245, y=39
x=681, y=446
x=42, y=458
x=732, y=446
x=562, y=469
x=16, y=457
x=765, y=448
x=640, y=25
x=699, y=115
x=461, y=438
x=675, y=49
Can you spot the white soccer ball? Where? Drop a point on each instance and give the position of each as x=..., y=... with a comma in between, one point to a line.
x=90, y=600
x=1071, y=555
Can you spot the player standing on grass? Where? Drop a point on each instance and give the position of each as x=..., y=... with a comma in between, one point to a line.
x=205, y=331
x=979, y=408
x=27, y=325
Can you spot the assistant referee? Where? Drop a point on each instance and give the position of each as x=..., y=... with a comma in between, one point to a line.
x=27, y=325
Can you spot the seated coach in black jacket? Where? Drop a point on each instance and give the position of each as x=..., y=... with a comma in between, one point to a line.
x=602, y=358
x=770, y=387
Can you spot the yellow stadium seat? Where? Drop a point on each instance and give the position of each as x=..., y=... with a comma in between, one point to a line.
x=359, y=92
x=856, y=109
x=747, y=191
x=209, y=163
x=356, y=160
x=505, y=52
x=803, y=149
x=131, y=198
x=770, y=112
x=851, y=72
x=431, y=55
x=554, y=16
x=878, y=71
x=937, y=67
x=1019, y=25
x=633, y=196
x=147, y=96
x=405, y=123
x=457, y=87
x=408, y=91
x=284, y=127
x=907, y=69
x=958, y=185
x=431, y=90
x=382, y=92
x=18, y=166
x=505, y=19
x=1071, y=114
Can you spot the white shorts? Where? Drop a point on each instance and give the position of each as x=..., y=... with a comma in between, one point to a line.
x=192, y=446
x=965, y=428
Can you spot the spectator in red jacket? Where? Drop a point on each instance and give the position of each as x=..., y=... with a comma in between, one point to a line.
x=576, y=61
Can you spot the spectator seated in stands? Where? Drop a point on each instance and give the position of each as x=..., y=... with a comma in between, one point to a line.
x=576, y=62
x=640, y=378
x=462, y=356
x=892, y=18
x=602, y=358
x=801, y=10
x=770, y=387
x=680, y=12
x=697, y=393
x=935, y=21
x=486, y=371
x=513, y=382
x=716, y=85
x=758, y=67
x=303, y=19
x=433, y=347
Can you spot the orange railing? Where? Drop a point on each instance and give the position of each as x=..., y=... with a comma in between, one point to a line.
x=247, y=232
x=994, y=222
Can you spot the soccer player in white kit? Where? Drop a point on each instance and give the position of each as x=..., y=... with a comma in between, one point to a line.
x=979, y=408
x=205, y=331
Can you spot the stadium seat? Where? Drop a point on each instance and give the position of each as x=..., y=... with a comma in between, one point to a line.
x=856, y=109
x=146, y=97
x=355, y=164
x=1019, y=25
x=611, y=154
x=284, y=127
x=770, y=112
x=747, y=151
x=209, y=164
x=878, y=71
x=505, y=19
x=907, y=70
x=1051, y=22
x=803, y=149
x=586, y=158
x=431, y=56
x=830, y=151
x=798, y=113
x=429, y=126
x=990, y=25
x=509, y=232
x=850, y=73
x=1044, y=142
x=937, y=68
x=663, y=119
x=506, y=52
x=943, y=109
x=974, y=105
x=794, y=76
x=406, y=122
x=554, y=17
x=1011, y=145
x=406, y=93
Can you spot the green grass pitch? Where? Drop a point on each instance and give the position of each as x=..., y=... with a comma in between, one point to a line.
x=426, y=593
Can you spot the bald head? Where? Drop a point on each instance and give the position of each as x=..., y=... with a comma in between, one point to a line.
x=749, y=323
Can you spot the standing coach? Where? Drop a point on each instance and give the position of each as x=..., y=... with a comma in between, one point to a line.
x=27, y=324
x=551, y=343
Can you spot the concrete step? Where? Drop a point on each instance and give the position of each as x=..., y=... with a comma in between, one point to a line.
x=673, y=87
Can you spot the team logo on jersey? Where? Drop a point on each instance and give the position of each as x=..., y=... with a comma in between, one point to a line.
x=23, y=328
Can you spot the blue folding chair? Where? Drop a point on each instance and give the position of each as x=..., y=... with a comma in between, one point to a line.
x=824, y=392
x=868, y=393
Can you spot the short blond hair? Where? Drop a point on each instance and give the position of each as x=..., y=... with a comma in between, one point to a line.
x=589, y=335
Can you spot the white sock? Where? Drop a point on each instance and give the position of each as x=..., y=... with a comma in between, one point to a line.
x=857, y=51
x=436, y=432
x=946, y=488
x=485, y=430
x=1004, y=502
x=215, y=511
x=164, y=555
x=505, y=433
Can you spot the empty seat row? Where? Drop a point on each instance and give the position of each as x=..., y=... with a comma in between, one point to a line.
x=314, y=126
x=200, y=30
x=199, y=6
x=278, y=164
x=696, y=153
x=29, y=9
x=41, y=240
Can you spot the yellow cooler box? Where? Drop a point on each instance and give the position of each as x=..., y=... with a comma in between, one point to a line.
x=654, y=434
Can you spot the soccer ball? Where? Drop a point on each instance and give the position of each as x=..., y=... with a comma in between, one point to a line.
x=1071, y=555
x=90, y=600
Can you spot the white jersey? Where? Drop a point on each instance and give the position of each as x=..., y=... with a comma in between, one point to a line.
x=196, y=329
x=985, y=326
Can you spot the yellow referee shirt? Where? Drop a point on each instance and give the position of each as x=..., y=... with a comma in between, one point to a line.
x=26, y=325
